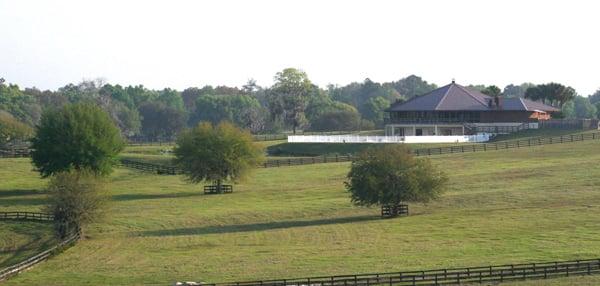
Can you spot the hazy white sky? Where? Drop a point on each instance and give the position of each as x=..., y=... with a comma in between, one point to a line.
x=192, y=43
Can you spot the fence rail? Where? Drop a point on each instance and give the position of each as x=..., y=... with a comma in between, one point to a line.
x=466, y=148
x=150, y=167
x=14, y=153
x=507, y=144
x=483, y=147
x=15, y=269
x=26, y=216
x=482, y=274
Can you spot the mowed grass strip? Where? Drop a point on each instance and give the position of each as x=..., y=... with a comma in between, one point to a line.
x=512, y=206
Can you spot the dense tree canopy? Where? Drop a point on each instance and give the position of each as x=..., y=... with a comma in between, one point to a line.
x=492, y=90
x=289, y=97
x=12, y=129
x=551, y=93
x=240, y=109
x=216, y=153
x=160, y=120
x=76, y=136
x=391, y=175
x=343, y=120
x=580, y=107
x=292, y=102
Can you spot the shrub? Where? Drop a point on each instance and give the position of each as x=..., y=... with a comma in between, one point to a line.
x=224, y=152
x=12, y=129
x=79, y=136
x=391, y=175
x=76, y=198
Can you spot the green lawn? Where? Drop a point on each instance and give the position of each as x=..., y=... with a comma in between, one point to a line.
x=535, y=133
x=511, y=206
x=320, y=149
x=21, y=240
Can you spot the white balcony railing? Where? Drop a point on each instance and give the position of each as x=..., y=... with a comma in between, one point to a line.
x=482, y=137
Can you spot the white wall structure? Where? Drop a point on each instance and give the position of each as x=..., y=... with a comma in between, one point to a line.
x=482, y=137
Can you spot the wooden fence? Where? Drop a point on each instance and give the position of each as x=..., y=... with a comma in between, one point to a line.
x=26, y=216
x=482, y=147
x=466, y=148
x=507, y=144
x=15, y=269
x=14, y=153
x=149, y=167
x=499, y=273
x=147, y=141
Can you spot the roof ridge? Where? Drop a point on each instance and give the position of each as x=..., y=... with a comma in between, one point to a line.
x=415, y=97
x=524, y=104
x=444, y=97
x=474, y=97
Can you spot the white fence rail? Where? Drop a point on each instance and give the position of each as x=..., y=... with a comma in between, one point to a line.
x=483, y=137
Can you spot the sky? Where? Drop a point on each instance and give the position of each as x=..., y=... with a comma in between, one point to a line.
x=178, y=44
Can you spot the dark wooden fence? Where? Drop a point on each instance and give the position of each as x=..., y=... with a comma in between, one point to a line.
x=21, y=266
x=150, y=167
x=26, y=216
x=35, y=216
x=14, y=153
x=466, y=148
x=499, y=273
x=482, y=147
x=148, y=141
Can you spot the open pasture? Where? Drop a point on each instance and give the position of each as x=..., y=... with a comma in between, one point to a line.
x=521, y=205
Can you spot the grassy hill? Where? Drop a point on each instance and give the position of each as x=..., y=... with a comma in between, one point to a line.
x=519, y=205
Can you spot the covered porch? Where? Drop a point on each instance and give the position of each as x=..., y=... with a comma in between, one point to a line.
x=424, y=129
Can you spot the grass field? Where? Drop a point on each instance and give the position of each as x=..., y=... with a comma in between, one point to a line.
x=320, y=149
x=520, y=205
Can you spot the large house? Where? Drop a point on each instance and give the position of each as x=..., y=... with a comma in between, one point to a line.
x=456, y=110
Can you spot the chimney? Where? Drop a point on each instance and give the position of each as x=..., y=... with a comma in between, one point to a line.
x=498, y=100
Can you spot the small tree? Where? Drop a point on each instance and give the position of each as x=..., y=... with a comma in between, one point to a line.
x=78, y=136
x=76, y=198
x=390, y=176
x=224, y=152
x=12, y=129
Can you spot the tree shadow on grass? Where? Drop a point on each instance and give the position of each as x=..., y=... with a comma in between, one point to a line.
x=131, y=197
x=15, y=193
x=37, y=242
x=253, y=227
x=23, y=202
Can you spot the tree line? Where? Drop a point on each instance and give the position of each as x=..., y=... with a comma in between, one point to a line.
x=293, y=102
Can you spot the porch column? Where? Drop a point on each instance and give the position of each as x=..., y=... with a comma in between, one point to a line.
x=463, y=127
x=414, y=130
x=435, y=130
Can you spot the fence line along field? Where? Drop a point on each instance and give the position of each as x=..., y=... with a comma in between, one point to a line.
x=526, y=205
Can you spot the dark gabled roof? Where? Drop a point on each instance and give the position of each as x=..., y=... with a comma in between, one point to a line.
x=454, y=97
x=527, y=105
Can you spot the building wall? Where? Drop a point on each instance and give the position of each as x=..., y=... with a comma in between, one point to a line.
x=425, y=130
x=508, y=116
